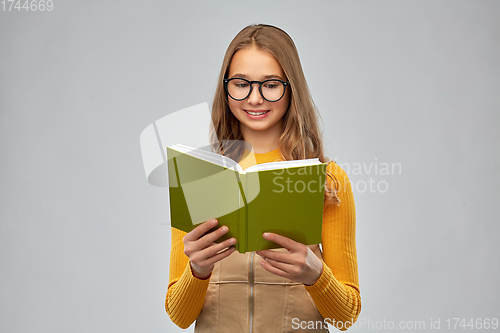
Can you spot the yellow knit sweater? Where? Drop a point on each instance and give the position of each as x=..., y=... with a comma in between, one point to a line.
x=335, y=294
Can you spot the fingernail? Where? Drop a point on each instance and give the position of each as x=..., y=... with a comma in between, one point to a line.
x=224, y=228
x=265, y=234
x=214, y=222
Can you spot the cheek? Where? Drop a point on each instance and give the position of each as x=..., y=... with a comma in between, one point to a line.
x=230, y=102
x=234, y=106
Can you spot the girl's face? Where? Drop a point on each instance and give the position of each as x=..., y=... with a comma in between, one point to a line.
x=257, y=65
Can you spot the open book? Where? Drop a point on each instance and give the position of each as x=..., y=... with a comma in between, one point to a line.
x=284, y=197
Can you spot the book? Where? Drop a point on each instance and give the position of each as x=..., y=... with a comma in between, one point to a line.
x=283, y=197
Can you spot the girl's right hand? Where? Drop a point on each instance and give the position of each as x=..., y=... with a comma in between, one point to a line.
x=202, y=250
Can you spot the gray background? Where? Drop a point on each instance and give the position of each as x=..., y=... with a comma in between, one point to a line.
x=84, y=239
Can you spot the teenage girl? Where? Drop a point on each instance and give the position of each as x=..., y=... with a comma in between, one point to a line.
x=262, y=99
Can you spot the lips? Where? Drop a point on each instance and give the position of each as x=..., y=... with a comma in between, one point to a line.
x=256, y=112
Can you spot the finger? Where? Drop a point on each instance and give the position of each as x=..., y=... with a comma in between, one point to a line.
x=221, y=255
x=200, y=230
x=286, y=268
x=213, y=249
x=277, y=256
x=286, y=242
x=210, y=238
x=270, y=268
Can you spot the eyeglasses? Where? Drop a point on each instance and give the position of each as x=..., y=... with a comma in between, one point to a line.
x=240, y=89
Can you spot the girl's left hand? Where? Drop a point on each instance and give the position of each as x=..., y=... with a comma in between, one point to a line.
x=300, y=264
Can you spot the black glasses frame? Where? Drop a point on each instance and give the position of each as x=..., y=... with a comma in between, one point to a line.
x=226, y=81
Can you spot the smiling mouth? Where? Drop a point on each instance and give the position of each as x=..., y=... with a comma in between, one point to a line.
x=256, y=113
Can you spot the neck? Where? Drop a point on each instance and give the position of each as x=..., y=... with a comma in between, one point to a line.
x=262, y=141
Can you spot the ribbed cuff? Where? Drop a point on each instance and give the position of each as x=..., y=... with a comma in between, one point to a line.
x=334, y=300
x=186, y=298
x=323, y=282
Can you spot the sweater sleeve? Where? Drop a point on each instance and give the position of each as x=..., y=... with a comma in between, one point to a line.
x=186, y=293
x=336, y=293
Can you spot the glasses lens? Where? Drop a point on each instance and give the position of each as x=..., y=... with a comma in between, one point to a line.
x=238, y=89
x=272, y=90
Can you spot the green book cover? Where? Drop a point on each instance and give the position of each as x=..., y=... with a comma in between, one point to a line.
x=282, y=197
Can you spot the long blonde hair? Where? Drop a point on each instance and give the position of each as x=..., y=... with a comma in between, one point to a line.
x=300, y=137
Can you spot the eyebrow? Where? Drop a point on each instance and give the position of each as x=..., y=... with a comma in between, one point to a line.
x=272, y=76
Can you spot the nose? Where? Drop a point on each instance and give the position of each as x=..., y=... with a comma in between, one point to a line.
x=255, y=97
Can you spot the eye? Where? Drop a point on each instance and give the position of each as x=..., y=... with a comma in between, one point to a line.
x=239, y=83
x=271, y=84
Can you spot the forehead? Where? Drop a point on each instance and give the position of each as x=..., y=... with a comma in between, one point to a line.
x=255, y=64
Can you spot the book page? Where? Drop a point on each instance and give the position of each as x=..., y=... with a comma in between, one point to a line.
x=283, y=165
x=211, y=157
